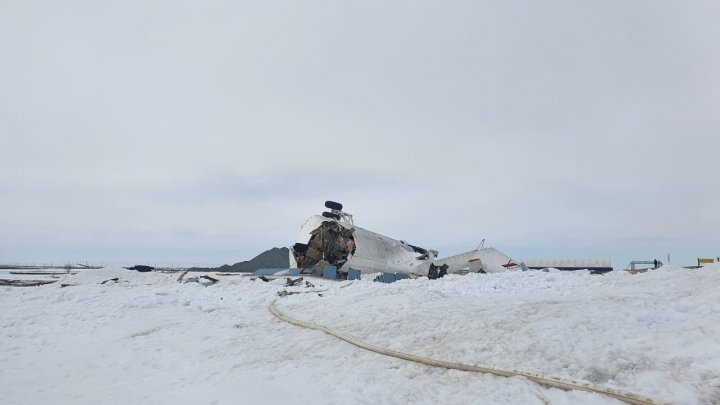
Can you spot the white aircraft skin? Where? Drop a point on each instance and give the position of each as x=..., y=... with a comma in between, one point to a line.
x=375, y=253
x=490, y=260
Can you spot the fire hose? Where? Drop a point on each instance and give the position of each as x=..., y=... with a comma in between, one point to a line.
x=547, y=381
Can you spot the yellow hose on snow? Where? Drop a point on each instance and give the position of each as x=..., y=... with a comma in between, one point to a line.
x=547, y=381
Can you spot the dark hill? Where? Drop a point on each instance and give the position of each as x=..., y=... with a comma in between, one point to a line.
x=275, y=258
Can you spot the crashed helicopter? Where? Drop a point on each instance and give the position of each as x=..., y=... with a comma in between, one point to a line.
x=333, y=239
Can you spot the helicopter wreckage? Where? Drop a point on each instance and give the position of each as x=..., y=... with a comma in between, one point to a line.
x=332, y=239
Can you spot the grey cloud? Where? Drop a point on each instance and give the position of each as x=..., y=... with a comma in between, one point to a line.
x=511, y=120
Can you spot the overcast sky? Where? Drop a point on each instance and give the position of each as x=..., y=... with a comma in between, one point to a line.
x=204, y=132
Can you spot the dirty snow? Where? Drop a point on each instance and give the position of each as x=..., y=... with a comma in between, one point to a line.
x=149, y=339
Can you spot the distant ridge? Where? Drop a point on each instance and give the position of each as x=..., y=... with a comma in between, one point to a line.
x=276, y=258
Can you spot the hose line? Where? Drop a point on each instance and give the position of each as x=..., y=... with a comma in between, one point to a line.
x=547, y=381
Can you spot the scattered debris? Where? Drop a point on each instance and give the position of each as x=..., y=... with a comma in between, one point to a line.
x=393, y=277
x=213, y=279
x=204, y=280
x=263, y=278
x=285, y=293
x=115, y=279
x=290, y=282
x=182, y=275
x=309, y=284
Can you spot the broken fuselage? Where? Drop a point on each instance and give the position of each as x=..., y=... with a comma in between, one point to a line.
x=333, y=239
x=339, y=243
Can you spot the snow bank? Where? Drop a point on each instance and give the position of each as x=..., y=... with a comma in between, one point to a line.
x=656, y=333
x=95, y=276
x=149, y=339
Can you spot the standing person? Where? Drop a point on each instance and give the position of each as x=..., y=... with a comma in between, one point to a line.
x=655, y=262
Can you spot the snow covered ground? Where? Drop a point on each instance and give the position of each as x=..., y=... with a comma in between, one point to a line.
x=149, y=339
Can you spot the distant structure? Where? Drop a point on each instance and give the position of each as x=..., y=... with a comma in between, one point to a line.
x=594, y=265
x=654, y=263
x=703, y=261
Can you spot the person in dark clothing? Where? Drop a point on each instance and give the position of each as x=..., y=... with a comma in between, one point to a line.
x=655, y=263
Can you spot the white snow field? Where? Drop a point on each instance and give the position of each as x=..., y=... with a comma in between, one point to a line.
x=149, y=339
